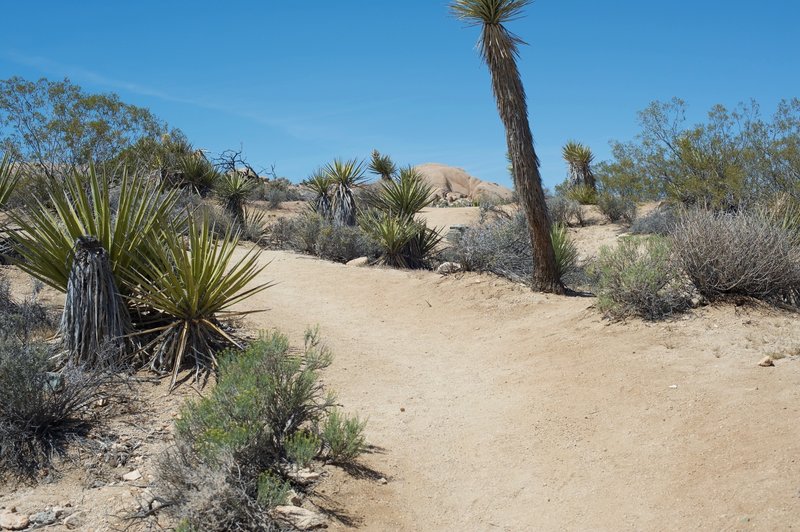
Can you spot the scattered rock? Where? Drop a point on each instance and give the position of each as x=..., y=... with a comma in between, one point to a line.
x=133, y=475
x=76, y=520
x=359, y=262
x=44, y=518
x=766, y=362
x=300, y=518
x=13, y=521
x=382, y=481
x=304, y=476
x=448, y=267
x=673, y=386
x=294, y=498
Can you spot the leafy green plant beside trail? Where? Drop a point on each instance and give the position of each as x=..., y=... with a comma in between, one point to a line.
x=238, y=450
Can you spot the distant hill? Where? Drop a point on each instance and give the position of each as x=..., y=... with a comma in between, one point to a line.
x=453, y=183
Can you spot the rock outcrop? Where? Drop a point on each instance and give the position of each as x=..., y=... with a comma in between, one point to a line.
x=451, y=183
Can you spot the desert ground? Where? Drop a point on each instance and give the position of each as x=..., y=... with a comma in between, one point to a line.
x=494, y=408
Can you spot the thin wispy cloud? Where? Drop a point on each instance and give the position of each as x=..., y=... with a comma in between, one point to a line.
x=303, y=126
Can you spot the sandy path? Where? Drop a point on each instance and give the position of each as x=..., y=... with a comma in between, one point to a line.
x=497, y=409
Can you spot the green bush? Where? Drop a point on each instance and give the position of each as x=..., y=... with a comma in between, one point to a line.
x=616, y=208
x=639, y=277
x=267, y=408
x=343, y=243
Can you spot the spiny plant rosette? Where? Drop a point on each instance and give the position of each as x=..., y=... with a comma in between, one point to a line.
x=344, y=176
x=579, y=163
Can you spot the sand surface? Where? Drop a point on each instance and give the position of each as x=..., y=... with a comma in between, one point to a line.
x=493, y=408
x=497, y=409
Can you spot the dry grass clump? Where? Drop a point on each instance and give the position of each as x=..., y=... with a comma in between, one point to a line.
x=744, y=254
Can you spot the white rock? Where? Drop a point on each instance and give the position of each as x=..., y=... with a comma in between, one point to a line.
x=76, y=520
x=304, y=476
x=300, y=518
x=359, y=262
x=766, y=362
x=133, y=475
x=13, y=521
x=448, y=267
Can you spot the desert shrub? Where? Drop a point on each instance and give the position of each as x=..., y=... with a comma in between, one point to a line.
x=639, y=277
x=660, y=221
x=743, y=254
x=343, y=243
x=502, y=246
x=564, y=210
x=616, y=208
x=344, y=437
x=42, y=410
x=343, y=177
x=583, y=194
x=23, y=320
x=268, y=408
x=277, y=191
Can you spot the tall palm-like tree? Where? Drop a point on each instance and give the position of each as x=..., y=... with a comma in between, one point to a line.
x=382, y=165
x=499, y=48
x=579, y=162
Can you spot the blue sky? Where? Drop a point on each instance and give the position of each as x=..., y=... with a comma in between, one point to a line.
x=298, y=83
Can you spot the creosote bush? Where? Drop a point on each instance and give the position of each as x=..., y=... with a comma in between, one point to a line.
x=237, y=447
x=565, y=211
x=639, y=277
x=744, y=254
x=616, y=208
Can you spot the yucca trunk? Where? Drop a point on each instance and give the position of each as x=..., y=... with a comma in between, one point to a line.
x=95, y=319
x=499, y=51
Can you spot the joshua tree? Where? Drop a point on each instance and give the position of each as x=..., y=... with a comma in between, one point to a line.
x=579, y=161
x=499, y=49
x=382, y=165
x=344, y=176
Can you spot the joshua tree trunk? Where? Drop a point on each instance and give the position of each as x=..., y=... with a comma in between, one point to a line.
x=95, y=319
x=499, y=50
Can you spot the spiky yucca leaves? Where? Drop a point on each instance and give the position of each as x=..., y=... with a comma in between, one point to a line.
x=579, y=162
x=344, y=176
x=406, y=196
x=191, y=290
x=197, y=173
x=320, y=184
x=565, y=249
x=233, y=190
x=382, y=165
x=81, y=207
x=9, y=177
x=405, y=241
x=499, y=49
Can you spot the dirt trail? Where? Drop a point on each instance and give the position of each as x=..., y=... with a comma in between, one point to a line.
x=497, y=409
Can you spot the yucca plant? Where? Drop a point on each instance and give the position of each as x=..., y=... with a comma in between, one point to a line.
x=86, y=249
x=406, y=196
x=183, y=293
x=565, y=249
x=82, y=207
x=344, y=176
x=320, y=184
x=579, y=164
x=405, y=241
x=9, y=177
x=382, y=165
x=392, y=234
x=197, y=173
x=233, y=190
